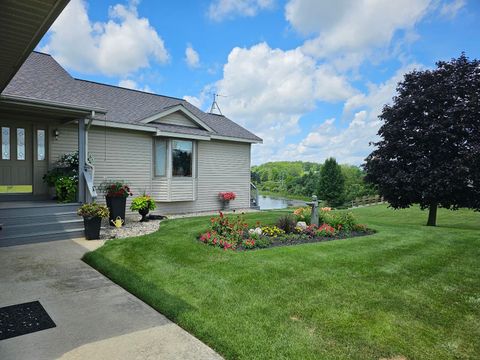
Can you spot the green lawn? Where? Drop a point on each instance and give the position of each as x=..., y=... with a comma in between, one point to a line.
x=409, y=290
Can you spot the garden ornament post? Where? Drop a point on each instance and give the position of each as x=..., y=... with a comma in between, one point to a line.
x=314, y=205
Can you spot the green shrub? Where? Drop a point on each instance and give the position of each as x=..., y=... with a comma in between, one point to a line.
x=66, y=189
x=93, y=210
x=287, y=223
x=263, y=242
x=143, y=202
x=344, y=221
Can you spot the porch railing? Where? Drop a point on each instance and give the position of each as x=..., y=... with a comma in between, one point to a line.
x=253, y=196
x=89, y=175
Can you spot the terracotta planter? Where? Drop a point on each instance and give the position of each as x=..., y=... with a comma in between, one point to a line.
x=116, y=205
x=92, y=227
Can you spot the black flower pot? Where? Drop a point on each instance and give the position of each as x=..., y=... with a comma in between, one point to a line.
x=116, y=205
x=92, y=227
x=144, y=213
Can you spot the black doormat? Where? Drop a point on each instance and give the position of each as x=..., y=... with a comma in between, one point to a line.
x=21, y=319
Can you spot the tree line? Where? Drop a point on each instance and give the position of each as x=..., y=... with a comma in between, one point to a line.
x=333, y=183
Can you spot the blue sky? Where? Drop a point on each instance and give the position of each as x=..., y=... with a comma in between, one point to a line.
x=308, y=76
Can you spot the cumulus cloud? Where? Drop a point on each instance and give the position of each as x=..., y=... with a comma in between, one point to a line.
x=122, y=45
x=268, y=90
x=132, y=84
x=352, y=28
x=226, y=9
x=451, y=9
x=191, y=57
x=349, y=144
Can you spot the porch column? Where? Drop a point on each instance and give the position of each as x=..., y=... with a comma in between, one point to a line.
x=81, y=159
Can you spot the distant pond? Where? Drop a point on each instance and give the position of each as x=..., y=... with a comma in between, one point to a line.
x=271, y=203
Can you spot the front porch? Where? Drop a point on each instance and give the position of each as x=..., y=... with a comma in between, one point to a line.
x=29, y=134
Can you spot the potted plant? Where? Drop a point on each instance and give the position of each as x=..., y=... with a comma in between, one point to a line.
x=143, y=204
x=116, y=193
x=225, y=198
x=93, y=214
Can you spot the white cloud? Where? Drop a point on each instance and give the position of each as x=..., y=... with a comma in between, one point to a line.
x=348, y=144
x=451, y=9
x=268, y=90
x=122, y=45
x=226, y=9
x=352, y=28
x=132, y=84
x=191, y=57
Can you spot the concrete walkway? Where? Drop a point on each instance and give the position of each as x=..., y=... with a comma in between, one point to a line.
x=95, y=318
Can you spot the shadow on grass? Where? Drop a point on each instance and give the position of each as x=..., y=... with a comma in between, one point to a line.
x=167, y=304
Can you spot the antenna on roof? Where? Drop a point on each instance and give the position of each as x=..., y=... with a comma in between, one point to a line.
x=215, y=104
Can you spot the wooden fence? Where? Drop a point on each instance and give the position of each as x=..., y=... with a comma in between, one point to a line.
x=366, y=201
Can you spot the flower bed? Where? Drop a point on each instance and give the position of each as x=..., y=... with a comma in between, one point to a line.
x=233, y=233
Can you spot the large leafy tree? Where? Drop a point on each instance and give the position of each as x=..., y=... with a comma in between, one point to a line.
x=331, y=185
x=429, y=152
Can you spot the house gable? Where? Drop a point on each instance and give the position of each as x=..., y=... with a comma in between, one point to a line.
x=177, y=115
x=177, y=118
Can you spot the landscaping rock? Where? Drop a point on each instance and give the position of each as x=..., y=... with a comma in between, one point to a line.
x=132, y=227
x=302, y=225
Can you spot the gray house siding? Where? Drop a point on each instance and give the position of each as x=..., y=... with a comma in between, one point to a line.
x=222, y=166
x=128, y=155
x=177, y=118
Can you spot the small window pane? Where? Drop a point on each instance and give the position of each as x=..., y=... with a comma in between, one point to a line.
x=182, y=158
x=40, y=144
x=5, y=143
x=160, y=157
x=20, y=144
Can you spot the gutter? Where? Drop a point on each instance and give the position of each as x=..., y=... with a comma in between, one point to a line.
x=55, y=105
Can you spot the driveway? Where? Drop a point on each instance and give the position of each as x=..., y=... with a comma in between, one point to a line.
x=95, y=318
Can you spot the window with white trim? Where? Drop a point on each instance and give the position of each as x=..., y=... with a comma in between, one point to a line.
x=160, y=157
x=173, y=157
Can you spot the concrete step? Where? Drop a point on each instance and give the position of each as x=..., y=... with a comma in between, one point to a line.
x=36, y=210
x=30, y=222
x=48, y=225
x=38, y=218
x=43, y=236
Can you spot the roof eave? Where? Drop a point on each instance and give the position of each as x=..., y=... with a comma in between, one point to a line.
x=27, y=101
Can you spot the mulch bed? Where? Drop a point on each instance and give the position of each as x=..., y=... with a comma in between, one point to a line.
x=277, y=243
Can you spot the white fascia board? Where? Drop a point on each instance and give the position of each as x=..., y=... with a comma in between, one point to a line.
x=173, y=109
x=119, y=125
x=235, y=139
x=182, y=136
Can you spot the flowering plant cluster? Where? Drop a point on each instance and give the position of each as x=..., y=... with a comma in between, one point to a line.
x=272, y=231
x=115, y=188
x=225, y=232
x=227, y=196
x=248, y=243
x=233, y=232
x=303, y=214
x=326, y=209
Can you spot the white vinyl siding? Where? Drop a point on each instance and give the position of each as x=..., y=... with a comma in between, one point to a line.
x=177, y=118
x=218, y=166
x=222, y=166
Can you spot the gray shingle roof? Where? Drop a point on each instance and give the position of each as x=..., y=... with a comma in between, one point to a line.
x=42, y=78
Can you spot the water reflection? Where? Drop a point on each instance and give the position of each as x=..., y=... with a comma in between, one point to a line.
x=271, y=203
